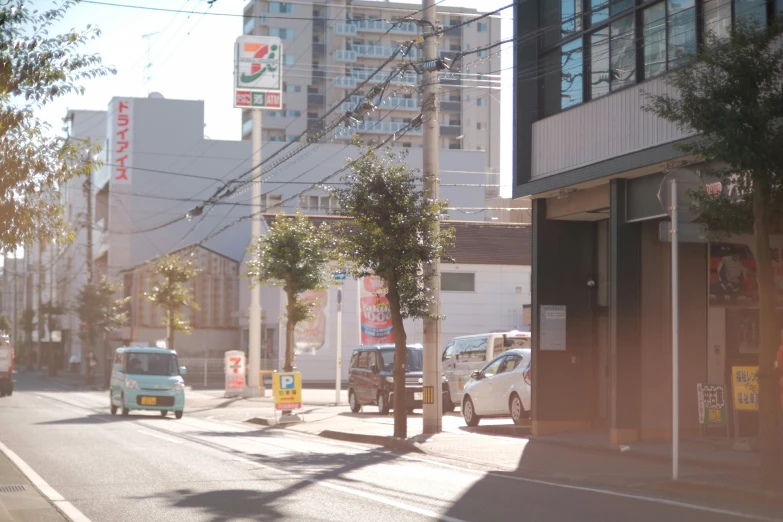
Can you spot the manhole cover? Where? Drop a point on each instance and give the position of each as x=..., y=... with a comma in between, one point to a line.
x=11, y=489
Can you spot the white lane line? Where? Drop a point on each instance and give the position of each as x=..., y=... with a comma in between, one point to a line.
x=65, y=507
x=163, y=437
x=361, y=494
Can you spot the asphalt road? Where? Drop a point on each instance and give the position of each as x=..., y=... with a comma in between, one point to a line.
x=148, y=468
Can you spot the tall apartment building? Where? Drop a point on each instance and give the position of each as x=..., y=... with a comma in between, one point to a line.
x=330, y=48
x=593, y=160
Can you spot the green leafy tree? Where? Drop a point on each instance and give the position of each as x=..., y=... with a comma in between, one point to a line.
x=172, y=293
x=97, y=305
x=35, y=69
x=732, y=96
x=390, y=217
x=294, y=256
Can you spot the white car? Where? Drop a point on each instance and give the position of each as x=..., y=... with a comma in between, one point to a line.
x=501, y=389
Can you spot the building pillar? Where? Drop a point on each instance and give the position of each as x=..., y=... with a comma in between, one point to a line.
x=624, y=319
x=563, y=381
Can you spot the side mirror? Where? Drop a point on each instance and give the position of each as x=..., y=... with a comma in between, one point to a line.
x=183, y=370
x=477, y=375
x=374, y=368
x=117, y=367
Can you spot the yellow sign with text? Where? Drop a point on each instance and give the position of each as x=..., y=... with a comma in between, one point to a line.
x=745, y=387
x=287, y=391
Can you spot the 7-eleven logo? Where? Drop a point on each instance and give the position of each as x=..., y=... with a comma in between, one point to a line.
x=263, y=60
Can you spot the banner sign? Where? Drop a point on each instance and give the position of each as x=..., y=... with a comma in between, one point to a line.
x=712, y=404
x=287, y=390
x=310, y=335
x=120, y=141
x=376, y=322
x=745, y=387
x=258, y=74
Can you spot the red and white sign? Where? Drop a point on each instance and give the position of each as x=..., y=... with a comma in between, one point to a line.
x=120, y=140
x=234, y=369
x=376, y=322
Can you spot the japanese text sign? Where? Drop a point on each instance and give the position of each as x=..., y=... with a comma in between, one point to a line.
x=234, y=369
x=712, y=404
x=120, y=140
x=745, y=387
x=287, y=390
x=258, y=72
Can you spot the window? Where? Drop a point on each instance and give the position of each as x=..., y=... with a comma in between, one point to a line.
x=478, y=126
x=250, y=23
x=571, y=22
x=482, y=27
x=681, y=21
x=289, y=59
x=458, y=281
x=482, y=53
x=274, y=114
x=599, y=11
x=293, y=88
x=569, y=90
x=752, y=11
x=454, y=145
x=363, y=361
x=281, y=7
x=290, y=113
x=510, y=363
x=623, y=53
x=492, y=368
x=273, y=201
x=654, y=20
x=717, y=17
x=599, y=63
x=618, y=6
x=285, y=34
x=481, y=102
x=290, y=137
x=247, y=126
x=354, y=360
x=475, y=350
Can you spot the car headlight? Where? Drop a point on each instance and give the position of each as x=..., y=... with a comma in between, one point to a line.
x=178, y=386
x=131, y=383
x=390, y=380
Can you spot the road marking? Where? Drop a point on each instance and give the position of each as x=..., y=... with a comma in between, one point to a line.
x=152, y=434
x=66, y=508
x=361, y=494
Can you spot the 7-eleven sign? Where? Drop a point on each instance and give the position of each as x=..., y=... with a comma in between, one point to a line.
x=258, y=72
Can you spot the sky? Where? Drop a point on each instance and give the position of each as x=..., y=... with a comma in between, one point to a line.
x=192, y=58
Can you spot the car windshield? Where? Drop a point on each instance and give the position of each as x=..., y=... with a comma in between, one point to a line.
x=412, y=363
x=163, y=364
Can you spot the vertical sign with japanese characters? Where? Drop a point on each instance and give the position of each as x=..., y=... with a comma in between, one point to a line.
x=745, y=387
x=712, y=404
x=120, y=141
x=234, y=369
x=258, y=74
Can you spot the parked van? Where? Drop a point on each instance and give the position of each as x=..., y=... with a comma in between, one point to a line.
x=6, y=366
x=469, y=353
x=371, y=379
x=146, y=378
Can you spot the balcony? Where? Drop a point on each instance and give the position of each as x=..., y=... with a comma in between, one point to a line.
x=450, y=106
x=449, y=80
x=319, y=24
x=400, y=103
x=454, y=31
x=345, y=82
x=345, y=29
x=384, y=127
x=315, y=99
x=450, y=131
x=345, y=56
x=381, y=51
x=379, y=26
x=315, y=124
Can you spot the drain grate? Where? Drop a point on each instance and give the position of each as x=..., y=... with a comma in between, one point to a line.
x=11, y=489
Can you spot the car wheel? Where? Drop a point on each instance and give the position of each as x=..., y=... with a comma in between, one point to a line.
x=125, y=411
x=353, y=403
x=448, y=404
x=469, y=412
x=112, y=407
x=163, y=413
x=178, y=414
x=517, y=409
x=383, y=404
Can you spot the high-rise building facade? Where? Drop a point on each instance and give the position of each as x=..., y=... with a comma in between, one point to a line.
x=331, y=48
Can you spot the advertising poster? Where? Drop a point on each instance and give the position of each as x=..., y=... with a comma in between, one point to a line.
x=745, y=387
x=310, y=336
x=376, y=322
x=712, y=404
x=732, y=267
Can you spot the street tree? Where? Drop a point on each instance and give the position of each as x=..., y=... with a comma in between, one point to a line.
x=173, y=291
x=5, y=324
x=731, y=95
x=37, y=68
x=390, y=215
x=294, y=256
x=28, y=325
x=98, y=307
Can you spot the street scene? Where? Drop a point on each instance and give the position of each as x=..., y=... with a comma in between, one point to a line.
x=391, y=260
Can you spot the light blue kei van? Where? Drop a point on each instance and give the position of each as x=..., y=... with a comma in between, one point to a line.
x=146, y=378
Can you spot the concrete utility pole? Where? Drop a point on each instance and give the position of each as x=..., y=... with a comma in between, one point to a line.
x=39, y=292
x=253, y=387
x=15, y=282
x=87, y=187
x=433, y=410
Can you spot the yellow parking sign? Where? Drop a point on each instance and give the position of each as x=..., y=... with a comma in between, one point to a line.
x=287, y=390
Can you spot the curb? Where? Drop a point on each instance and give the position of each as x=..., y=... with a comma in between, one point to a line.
x=378, y=440
x=704, y=463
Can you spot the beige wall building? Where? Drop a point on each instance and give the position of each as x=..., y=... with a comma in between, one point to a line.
x=329, y=49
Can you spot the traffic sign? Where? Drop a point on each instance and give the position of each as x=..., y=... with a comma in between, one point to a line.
x=687, y=181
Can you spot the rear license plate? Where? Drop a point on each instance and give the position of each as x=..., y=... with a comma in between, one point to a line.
x=149, y=401
x=418, y=396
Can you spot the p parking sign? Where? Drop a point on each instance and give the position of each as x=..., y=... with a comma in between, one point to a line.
x=287, y=390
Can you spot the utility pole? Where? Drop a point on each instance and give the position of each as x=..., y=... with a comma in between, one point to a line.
x=433, y=412
x=16, y=302
x=253, y=388
x=87, y=188
x=39, y=291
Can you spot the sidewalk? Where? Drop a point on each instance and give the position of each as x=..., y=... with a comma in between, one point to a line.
x=20, y=501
